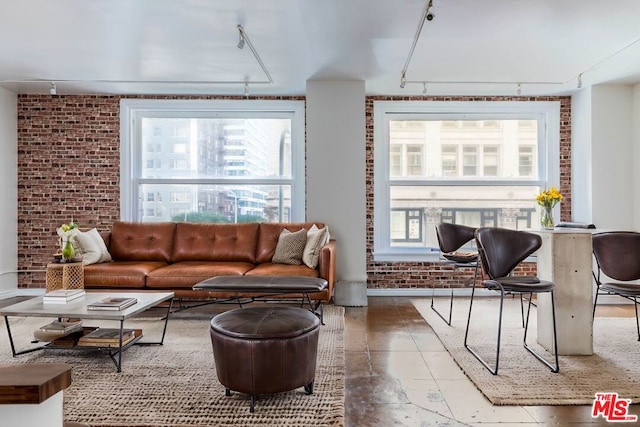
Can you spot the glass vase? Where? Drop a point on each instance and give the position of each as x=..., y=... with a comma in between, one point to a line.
x=67, y=251
x=546, y=218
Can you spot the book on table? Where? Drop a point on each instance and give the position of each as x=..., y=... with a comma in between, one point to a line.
x=62, y=296
x=57, y=329
x=112, y=303
x=108, y=337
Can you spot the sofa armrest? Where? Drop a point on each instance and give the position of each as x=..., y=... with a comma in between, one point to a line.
x=327, y=264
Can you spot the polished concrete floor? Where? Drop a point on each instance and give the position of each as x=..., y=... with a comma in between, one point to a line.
x=399, y=374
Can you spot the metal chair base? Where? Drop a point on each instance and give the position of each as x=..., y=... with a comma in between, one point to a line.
x=494, y=369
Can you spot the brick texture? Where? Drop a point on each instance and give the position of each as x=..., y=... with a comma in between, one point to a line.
x=390, y=275
x=69, y=167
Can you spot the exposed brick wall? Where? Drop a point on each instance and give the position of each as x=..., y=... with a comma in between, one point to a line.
x=386, y=275
x=69, y=166
x=68, y=169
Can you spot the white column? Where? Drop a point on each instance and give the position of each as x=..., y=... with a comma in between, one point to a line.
x=565, y=259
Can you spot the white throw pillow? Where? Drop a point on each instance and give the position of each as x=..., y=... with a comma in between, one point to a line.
x=316, y=239
x=93, y=248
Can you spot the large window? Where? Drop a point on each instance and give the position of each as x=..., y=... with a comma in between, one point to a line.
x=470, y=163
x=216, y=161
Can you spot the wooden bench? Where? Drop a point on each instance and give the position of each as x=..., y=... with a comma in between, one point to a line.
x=245, y=288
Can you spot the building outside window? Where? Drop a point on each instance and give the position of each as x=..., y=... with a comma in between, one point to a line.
x=217, y=161
x=473, y=163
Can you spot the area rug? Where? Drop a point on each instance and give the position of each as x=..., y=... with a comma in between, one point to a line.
x=522, y=379
x=176, y=385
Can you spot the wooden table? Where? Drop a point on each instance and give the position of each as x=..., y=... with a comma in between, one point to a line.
x=40, y=387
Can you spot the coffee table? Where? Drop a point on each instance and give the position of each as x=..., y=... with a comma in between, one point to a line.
x=77, y=309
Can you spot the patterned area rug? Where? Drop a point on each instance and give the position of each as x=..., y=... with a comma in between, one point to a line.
x=523, y=380
x=176, y=384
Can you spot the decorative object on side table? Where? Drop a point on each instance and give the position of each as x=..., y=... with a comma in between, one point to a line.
x=67, y=233
x=547, y=199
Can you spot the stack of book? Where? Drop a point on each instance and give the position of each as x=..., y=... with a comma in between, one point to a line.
x=108, y=337
x=57, y=329
x=62, y=296
x=112, y=303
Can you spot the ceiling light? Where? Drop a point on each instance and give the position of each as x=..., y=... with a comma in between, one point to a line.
x=580, y=81
x=52, y=89
x=246, y=89
x=519, y=89
x=430, y=15
x=424, y=88
x=240, y=37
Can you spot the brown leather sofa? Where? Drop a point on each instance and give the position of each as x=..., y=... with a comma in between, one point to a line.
x=176, y=256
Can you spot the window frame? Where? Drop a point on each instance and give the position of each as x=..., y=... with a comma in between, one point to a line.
x=131, y=149
x=546, y=113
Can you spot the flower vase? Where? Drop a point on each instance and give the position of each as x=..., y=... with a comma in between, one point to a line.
x=546, y=218
x=67, y=251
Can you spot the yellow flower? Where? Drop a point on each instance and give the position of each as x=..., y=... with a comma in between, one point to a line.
x=549, y=198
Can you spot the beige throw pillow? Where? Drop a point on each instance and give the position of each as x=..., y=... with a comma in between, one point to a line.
x=290, y=247
x=316, y=239
x=93, y=248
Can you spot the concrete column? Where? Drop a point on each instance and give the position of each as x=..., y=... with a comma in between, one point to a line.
x=565, y=259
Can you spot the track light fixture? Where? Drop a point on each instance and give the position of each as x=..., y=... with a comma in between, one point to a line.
x=52, y=89
x=241, y=37
x=519, y=89
x=246, y=89
x=430, y=15
x=424, y=88
x=580, y=81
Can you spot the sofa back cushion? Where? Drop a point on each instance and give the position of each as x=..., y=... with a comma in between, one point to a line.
x=215, y=242
x=269, y=234
x=137, y=241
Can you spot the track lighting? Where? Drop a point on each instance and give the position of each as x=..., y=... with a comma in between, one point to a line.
x=246, y=89
x=424, y=88
x=240, y=37
x=430, y=15
x=52, y=89
x=519, y=89
x=580, y=81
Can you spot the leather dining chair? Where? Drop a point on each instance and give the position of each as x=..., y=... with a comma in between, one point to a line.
x=451, y=237
x=501, y=250
x=616, y=254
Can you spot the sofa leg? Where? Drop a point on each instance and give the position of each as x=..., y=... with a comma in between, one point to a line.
x=227, y=392
x=252, y=403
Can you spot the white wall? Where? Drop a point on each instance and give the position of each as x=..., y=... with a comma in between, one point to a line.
x=336, y=189
x=613, y=162
x=635, y=132
x=8, y=189
x=581, y=161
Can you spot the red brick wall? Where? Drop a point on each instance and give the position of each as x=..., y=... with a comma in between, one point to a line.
x=68, y=169
x=437, y=275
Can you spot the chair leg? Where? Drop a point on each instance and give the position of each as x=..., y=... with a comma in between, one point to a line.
x=555, y=369
x=635, y=303
x=447, y=321
x=494, y=370
x=595, y=301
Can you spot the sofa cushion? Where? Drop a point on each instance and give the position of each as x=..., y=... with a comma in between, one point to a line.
x=135, y=241
x=215, y=242
x=93, y=248
x=269, y=233
x=272, y=269
x=316, y=239
x=188, y=273
x=116, y=275
x=290, y=247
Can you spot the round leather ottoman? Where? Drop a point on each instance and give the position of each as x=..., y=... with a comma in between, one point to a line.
x=260, y=350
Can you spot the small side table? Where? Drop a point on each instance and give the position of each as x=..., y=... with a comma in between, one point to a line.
x=68, y=275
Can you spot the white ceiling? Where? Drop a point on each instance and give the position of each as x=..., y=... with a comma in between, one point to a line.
x=185, y=46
